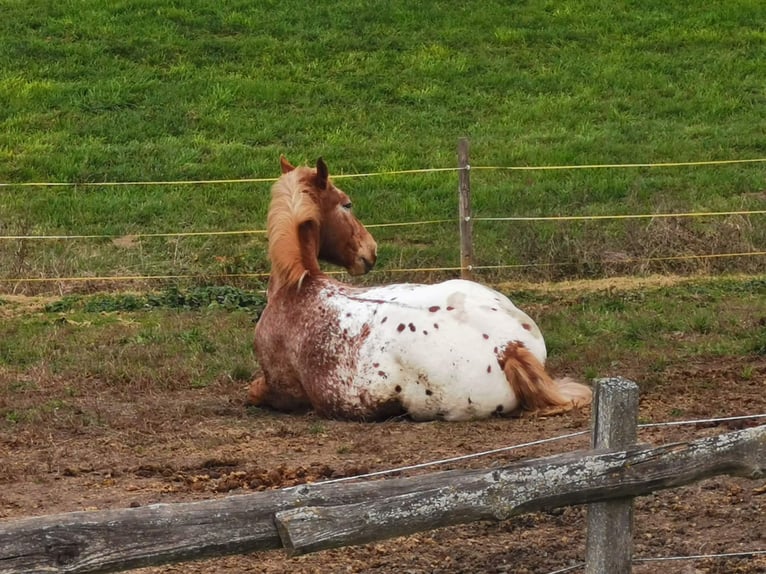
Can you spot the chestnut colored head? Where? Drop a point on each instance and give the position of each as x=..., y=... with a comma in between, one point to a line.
x=309, y=219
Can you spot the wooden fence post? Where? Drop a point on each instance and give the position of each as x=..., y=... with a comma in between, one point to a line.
x=609, y=544
x=466, y=224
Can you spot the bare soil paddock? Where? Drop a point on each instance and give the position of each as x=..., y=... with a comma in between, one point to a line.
x=202, y=444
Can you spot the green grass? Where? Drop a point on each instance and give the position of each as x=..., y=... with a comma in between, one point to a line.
x=172, y=297
x=659, y=326
x=142, y=91
x=162, y=350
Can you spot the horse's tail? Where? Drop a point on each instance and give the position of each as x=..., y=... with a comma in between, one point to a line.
x=536, y=390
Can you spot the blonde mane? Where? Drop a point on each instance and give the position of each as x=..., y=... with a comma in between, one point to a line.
x=291, y=206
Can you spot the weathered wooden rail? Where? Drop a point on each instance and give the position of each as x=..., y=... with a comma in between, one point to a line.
x=308, y=518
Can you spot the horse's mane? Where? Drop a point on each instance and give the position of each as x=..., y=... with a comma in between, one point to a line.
x=292, y=206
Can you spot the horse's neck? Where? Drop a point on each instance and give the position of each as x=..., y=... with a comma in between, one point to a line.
x=294, y=257
x=308, y=236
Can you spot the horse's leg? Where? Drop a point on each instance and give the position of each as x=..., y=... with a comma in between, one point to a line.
x=286, y=397
x=257, y=392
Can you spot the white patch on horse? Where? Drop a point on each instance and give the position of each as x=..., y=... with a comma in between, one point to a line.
x=437, y=347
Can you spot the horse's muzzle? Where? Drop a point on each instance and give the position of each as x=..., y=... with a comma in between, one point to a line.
x=362, y=265
x=368, y=264
x=366, y=255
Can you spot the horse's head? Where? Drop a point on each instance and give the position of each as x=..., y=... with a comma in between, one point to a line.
x=343, y=240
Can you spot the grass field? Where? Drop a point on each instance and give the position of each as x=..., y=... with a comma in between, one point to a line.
x=160, y=91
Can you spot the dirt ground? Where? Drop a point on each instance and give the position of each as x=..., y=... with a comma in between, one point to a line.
x=203, y=443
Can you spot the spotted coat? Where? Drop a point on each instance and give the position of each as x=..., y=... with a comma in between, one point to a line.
x=429, y=351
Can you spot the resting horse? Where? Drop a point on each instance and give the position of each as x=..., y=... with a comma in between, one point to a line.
x=454, y=351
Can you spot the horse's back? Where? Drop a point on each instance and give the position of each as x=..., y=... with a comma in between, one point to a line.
x=450, y=313
x=437, y=348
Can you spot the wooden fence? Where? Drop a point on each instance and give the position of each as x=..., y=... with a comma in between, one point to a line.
x=314, y=517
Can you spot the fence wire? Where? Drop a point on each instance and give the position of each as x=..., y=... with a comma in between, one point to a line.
x=388, y=173
x=126, y=278
x=179, y=234
x=520, y=218
x=485, y=453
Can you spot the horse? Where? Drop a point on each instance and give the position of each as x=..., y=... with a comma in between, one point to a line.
x=451, y=351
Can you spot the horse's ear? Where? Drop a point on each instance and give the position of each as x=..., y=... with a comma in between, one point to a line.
x=322, y=173
x=285, y=165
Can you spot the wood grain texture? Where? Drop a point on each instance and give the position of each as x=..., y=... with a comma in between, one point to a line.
x=609, y=544
x=445, y=499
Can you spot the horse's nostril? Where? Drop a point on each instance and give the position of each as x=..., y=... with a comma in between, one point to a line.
x=367, y=264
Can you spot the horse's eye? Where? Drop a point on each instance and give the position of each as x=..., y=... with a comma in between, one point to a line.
x=347, y=205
